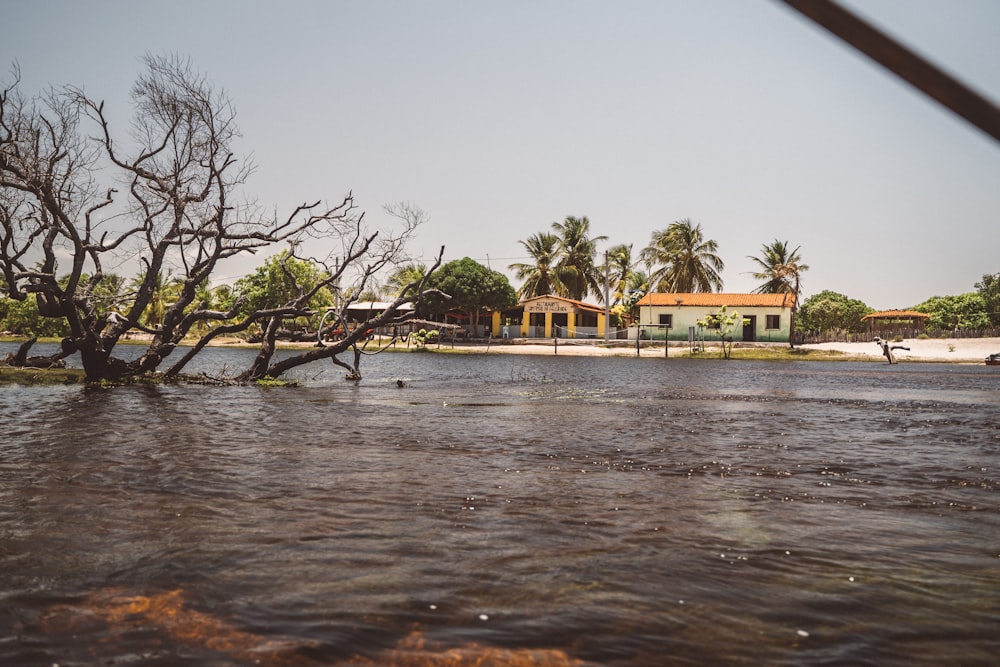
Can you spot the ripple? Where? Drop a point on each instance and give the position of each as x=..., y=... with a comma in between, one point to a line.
x=611, y=511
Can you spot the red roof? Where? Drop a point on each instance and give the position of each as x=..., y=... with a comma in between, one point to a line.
x=717, y=300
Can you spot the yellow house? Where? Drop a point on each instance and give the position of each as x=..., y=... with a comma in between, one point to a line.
x=550, y=316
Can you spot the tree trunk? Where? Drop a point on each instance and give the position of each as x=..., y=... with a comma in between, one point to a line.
x=99, y=365
x=267, y=347
x=791, y=329
x=21, y=357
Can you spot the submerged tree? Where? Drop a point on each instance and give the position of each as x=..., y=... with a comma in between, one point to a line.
x=179, y=215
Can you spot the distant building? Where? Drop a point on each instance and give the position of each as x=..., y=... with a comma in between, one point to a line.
x=889, y=323
x=673, y=314
x=359, y=311
x=549, y=316
x=362, y=311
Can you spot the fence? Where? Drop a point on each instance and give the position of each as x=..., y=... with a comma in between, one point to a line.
x=906, y=333
x=574, y=332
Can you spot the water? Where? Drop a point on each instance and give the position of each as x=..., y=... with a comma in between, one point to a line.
x=502, y=510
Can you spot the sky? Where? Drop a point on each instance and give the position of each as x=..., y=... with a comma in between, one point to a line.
x=499, y=118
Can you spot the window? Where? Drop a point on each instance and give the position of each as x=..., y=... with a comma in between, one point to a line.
x=773, y=322
x=666, y=321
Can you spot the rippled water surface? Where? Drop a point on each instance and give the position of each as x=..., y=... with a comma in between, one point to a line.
x=507, y=510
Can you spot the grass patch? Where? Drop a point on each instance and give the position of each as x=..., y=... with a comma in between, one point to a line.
x=40, y=376
x=268, y=381
x=13, y=375
x=770, y=353
x=791, y=353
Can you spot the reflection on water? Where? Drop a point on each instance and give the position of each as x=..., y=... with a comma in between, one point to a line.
x=510, y=511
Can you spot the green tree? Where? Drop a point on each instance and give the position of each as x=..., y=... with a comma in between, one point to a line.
x=405, y=278
x=637, y=287
x=208, y=298
x=684, y=261
x=951, y=313
x=369, y=295
x=781, y=270
x=219, y=297
x=283, y=279
x=164, y=291
x=576, y=270
x=22, y=318
x=620, y=271
x=472, y=288
x=989, y=289
x=831, y=311
x=724, y=322
x=110, y=293
x=539, y=277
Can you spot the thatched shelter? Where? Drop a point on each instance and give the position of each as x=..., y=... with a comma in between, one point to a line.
x=889, y=323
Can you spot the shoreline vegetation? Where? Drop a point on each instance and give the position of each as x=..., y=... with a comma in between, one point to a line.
x=970, y=351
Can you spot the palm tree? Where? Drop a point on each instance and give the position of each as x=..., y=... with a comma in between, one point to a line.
x=539, y=276
x=403, y=276
x=620, y=268
x=166, y=291
x=686, y=261
x=207, y=297
x=110, y=293
x=638, y=282
x=781, y=270
x=636, y=286
x=576, y=269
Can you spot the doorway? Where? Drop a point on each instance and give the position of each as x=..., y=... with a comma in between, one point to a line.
x=559, y=325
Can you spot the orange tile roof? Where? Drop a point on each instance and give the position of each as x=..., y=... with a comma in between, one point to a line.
x=716, y=299
x=896, y=315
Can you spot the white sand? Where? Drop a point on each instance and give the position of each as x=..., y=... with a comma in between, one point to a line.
x=963, y=350
x=956, y=350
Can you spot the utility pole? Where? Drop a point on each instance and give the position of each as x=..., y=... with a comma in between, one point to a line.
x=607, y=306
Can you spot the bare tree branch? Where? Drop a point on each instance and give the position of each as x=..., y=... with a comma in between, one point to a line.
x=176, y=214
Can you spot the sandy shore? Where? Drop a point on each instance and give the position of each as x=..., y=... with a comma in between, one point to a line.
x=932, y=349
x=957, y=350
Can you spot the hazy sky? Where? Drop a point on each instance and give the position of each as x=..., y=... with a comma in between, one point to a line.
x=499, y=118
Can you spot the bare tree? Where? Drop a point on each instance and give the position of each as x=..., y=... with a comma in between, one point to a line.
x=173, y=203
